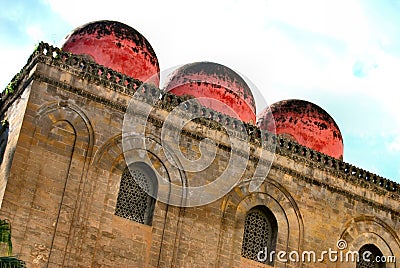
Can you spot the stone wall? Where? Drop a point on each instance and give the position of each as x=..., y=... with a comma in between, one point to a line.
x=63, y=181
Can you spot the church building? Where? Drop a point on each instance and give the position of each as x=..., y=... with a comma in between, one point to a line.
x=101, y=165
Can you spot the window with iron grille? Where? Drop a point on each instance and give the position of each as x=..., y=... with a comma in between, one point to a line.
x=370, y=253
x=135, y=198
x=260, y=232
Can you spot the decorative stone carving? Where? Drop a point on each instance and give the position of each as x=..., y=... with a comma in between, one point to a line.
x=40, y=253
x=113, y=80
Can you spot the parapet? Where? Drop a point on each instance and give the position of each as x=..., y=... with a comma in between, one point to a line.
x=93, y=72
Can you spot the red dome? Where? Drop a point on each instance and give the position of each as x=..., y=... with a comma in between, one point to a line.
x=219, y=84
x=116, y=46
x=306, y=123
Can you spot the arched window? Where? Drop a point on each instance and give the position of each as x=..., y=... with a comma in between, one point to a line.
x=260, y=232
x=367, y=256
x=134, y=202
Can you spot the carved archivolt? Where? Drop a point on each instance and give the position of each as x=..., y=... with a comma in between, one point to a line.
x=277, y=199
x=365, y=229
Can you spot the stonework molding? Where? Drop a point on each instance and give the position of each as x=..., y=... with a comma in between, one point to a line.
x=112, y=147
x=65, y=111
x=80, y=92
x=63, y=191
x=110, y=158
x=49, y=115
x=109, y=155
x=371, y=230
x=277, y=199
x=335, y=189
x=309, y=157
x=285, y=148
x=40, y=254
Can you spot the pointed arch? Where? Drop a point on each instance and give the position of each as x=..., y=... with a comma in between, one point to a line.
x=237, y=204
x=64, y=137
x=365, y=229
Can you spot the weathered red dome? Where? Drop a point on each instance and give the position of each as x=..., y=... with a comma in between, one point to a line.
x=213, y=81
x=306, y=123
x=116, y=46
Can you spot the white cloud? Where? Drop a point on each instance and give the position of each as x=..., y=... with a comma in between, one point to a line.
x=243, y=37
x=35, y=33
x=240, y=35
x=14, y=63
x=394, y=146
x=342, y=19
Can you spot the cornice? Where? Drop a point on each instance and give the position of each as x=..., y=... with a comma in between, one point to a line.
x=110, y=79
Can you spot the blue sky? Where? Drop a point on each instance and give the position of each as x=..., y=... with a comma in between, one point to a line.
x=342, y=55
